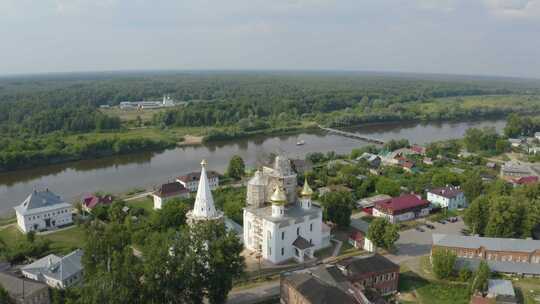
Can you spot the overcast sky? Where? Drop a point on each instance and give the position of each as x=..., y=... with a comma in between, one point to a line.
x=489, y=37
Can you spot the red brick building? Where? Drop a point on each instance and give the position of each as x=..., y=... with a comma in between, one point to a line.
x=373, y=271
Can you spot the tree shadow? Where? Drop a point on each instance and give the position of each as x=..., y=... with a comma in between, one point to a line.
x=410, y=281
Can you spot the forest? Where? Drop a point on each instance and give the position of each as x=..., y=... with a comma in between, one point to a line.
x=38, y=112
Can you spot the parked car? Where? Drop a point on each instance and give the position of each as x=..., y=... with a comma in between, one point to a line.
x=430, y=226
x=453, y=219
x=442, y=222
x=419, y=229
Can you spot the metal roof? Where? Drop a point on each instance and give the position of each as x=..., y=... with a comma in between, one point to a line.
x=56, y=267
x=39, y=201
x=501, y=287
x=494, y=244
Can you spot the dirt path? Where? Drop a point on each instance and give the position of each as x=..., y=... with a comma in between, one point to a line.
x=190, y=140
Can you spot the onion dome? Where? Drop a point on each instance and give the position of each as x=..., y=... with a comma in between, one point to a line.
x=278, y=197
x=306, y=191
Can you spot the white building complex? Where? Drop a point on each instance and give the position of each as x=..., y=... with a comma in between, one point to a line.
x=277, y=225
x=43, y=210
x=55, y=271
x=447, y=197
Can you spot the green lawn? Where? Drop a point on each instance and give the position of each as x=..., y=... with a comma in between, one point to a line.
x=426, y=292
x=145, y=203
x=62, y=242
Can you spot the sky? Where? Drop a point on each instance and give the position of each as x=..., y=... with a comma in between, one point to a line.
x=478, y=37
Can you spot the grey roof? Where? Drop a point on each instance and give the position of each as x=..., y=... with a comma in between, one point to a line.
x=55, y=267
x=39, y=201
x=501, y=287
x=501, y=267
x=360, y=225
x=292, y=212
x=495, y=244
x=14, y=285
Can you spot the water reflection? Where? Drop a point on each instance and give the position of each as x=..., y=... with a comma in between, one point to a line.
x=121, y=173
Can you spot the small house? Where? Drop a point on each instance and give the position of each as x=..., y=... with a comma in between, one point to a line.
x=167, y=192
x=450, y=197
x=55, y=271
x=191, y=180
x=403, y=208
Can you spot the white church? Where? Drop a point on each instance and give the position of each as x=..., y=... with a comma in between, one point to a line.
x=204, y=208
x=277, y=224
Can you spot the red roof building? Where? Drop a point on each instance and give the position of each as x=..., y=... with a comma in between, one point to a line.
x=168, y=191
x=402, y=208
x=91, y=201
x=526, y=180
x=418, y=149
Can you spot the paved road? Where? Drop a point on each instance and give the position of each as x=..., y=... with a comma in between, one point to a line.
x=252, y=295
x=413, y=243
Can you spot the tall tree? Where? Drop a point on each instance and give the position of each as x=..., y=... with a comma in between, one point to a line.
x=473, y=186
x=236, y=167
x=476, y=216
x=382, y=233
x=338, y=207
x=480, y=279
x=442, y=263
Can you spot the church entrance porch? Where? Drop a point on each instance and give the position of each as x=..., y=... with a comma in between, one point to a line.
x=302, y=249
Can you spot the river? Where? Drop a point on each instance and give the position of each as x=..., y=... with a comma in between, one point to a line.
x=122, y=173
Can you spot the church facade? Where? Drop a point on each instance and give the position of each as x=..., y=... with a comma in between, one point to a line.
x=278, y=224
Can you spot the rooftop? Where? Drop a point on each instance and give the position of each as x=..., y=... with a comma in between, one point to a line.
x=14, y=285
x=367, y=264
x=501, y=287
x=170, y=189
x=40, y=201
x=448, y=192
x=58, y=268
x=402, y=202
x=494, y=244
x=195, y=176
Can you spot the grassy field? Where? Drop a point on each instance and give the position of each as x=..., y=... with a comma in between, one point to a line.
x=62, y=242
x=503, y=102
x=145, y=203
x=529, y=288
x=416, y=289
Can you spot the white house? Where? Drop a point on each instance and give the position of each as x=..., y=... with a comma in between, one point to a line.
x=191, y=180
x=167, y=192
x=447, y=197
x=358, y=237
x=281, y=226
x=55, y=271
x=43, y=210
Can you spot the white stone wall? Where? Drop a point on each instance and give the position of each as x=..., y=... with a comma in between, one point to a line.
x=400, y=217
x=37, y=221
x=451, y=203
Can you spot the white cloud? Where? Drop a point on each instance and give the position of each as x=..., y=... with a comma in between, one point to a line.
x=514, y=8
x=443, y=5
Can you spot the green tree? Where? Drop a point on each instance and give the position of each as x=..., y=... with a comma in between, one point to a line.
x=171, y=216
x=442, y=263
x=477, y=214
x=481, y=277
x=236, y=167
x=338, y=208
x=4, y=296
x=473, y=186
x=382, y=233
x=502, y=146
x=385, y=185
x=505, y=218
x=514, y=126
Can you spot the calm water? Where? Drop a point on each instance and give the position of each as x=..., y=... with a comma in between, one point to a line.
x=118, y=174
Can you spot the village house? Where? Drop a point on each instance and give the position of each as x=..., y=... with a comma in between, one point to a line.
x=43, y=210
x=504, y=255
x=515, y=169
x=516, y=142
x=450, y=197
x=373, y=160
x=358, y=280
x=55, y=271
x=168, y=191
x=33, y=292
x=403, y=208
x=417, y=149
x=358, y=237
x=523, y=181
x=91, y=201
x=191, y=180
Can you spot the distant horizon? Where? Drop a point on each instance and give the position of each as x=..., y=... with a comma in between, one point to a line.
x=210, y=71
x=496, y=38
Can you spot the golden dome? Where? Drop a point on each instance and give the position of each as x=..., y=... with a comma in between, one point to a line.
x=278, y=197
x=306, y=191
